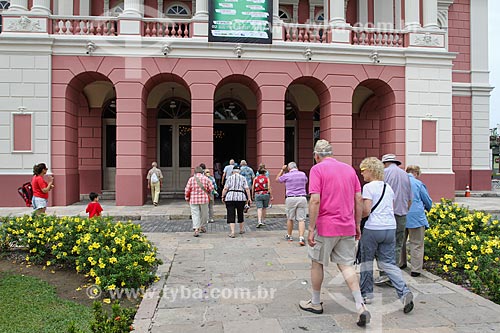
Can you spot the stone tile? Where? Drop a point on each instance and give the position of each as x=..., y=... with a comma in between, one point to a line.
x=180, y=316
x=432, y=288
x=253, y=326
x=464, y=316
x=231, y=312
x=318, y=323
x=477, y=328
x=207, y=327
x=274, y=275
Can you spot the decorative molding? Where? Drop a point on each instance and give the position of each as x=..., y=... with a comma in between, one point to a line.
x=25, y=24
x=427, y=40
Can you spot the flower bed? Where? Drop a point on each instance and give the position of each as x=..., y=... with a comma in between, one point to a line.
x=111, y=254
x=464, y=247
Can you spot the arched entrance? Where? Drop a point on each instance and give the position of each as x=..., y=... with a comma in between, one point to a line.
x=109, y=146
x=174, y=142
x=230, y=131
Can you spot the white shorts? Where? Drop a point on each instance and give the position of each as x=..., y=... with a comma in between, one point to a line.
x=39, y=203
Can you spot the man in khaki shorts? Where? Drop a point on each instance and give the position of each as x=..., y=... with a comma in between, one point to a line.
x=333, y=226
x=296, y=202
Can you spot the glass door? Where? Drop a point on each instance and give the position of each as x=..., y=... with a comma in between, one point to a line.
x=175, y=153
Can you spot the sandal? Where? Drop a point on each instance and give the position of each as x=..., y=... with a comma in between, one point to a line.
x=242, y=232
x=203, y=230
x=231, y=235
x=196, y=233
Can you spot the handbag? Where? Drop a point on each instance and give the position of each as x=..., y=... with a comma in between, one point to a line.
x=203, y=188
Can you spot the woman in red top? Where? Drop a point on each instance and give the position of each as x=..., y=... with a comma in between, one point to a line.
x=41, y=188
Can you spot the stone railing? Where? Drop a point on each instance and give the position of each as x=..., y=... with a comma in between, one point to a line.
x=180, y=28
x=374, y=37
x=306, y=33
x=79, y=25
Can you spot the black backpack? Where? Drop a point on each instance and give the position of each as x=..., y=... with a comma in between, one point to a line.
x=26, y=192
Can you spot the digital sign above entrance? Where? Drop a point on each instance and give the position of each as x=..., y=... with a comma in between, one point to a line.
x=241, y=21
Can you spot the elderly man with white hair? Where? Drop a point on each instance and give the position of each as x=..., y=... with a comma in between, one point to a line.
x=155, y=181
x=295, y=202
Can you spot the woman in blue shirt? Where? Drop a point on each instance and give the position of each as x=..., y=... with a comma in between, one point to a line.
x=416, y=221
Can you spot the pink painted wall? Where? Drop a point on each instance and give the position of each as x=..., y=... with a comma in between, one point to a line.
x=429, y=136
x=22, y=132
x=366, y=132
x=459, y=38
x=462, y=137
x=334, y=85
x=89, y=147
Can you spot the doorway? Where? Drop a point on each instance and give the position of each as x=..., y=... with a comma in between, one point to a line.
x=109, y=146
x=229, y=142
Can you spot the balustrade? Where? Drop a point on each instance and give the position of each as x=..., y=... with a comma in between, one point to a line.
x=97, y=26
x=167, y=28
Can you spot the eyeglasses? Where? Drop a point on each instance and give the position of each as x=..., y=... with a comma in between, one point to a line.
x=363, y=169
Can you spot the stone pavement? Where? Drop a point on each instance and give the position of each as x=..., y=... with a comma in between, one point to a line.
x=253, y=283
x=170, y=209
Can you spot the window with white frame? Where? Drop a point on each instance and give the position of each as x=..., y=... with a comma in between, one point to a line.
x=178, y=10
x=4, y=5
x=284, y=15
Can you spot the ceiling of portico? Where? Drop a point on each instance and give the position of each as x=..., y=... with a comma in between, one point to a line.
x=359, y=97
x=164, y=91
x=303, y=97
x=239, y=92
x=98, y=93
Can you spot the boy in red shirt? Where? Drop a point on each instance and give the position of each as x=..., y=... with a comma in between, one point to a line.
x=94, y=207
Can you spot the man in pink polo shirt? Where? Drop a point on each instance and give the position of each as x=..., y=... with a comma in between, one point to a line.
x=335, y=209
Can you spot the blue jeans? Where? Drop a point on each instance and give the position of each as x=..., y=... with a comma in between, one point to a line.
x=380, y=243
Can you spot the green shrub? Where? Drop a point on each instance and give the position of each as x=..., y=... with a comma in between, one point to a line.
x=111, y=254
x=465, y=244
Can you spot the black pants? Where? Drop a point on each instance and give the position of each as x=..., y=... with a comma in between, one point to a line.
x=231, y=206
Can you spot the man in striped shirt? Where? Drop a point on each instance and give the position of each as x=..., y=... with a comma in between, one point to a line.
x=197, y=193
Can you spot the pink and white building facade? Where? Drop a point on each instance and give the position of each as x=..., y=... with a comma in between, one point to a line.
x=98, y=89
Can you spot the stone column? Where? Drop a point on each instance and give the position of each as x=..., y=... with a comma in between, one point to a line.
x=337, y=13
x=201, y=9
x=412, y=14
x=430, y=14
x=18, y=5
x=133, y=8
x=277, y=23
x=41, y=6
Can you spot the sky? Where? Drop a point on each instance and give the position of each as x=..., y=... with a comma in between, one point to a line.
x=494, y=60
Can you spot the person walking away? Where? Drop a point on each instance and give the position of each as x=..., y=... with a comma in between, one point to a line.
x=399, y=181
x=196, y=192
x=228, y=171
x=261, y=193
x=94, y=207
x=155, y=181
x=335, y=208
x=235, y=194
x=295, y=202
x=41, y=188
x=247, y=172
x=379, y=233
x=212, y=196
x=218, y=175
x=416, y=221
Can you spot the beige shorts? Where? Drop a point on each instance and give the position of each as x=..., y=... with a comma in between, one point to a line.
x=296, y=208
x=338, y=249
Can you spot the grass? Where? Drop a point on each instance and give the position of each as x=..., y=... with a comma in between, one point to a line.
x=30, y=305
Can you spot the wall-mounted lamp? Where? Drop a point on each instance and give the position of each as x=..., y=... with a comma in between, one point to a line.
x=238, y=50
x=374, y=57
x=90, y=47
x=21, y=109
x=166, y=49
x=308, y=54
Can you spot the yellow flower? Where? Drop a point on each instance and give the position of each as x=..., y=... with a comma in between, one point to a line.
x=469, y=253
x=426, y=258
x=112, y=260
x=48, y=263
x=97, y=280
x=467, y=266
x=470, y=259
x=102, y=265
x=106, y=300
x=445, y=268
x=454, y=264
x=111, y=287
x=123, y=284
x=474, y=247
x=135, y=263
x=475, y=267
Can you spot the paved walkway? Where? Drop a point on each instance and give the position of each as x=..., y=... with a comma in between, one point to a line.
x=253, y=283
x=201, y=283
x=179, y=209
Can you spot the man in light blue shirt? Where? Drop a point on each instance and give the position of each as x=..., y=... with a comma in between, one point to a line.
x=399, y=181
x=247, y=172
